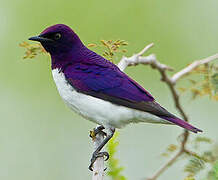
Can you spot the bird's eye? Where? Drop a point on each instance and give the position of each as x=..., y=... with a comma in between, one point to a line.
x=57, y=36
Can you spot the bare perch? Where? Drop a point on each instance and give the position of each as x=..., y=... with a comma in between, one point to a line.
x=98, y=167
x=139, y=59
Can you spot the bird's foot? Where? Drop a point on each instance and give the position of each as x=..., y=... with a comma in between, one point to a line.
x=96, y=155
x=96, y=131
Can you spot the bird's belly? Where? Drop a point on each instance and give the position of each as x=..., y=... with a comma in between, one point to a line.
x=97, y=110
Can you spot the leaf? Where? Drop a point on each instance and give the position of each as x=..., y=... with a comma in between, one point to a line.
x=209, y=156
x=103, y=42
x=170, y=149
x=215, y=97
x=206, y=89
x=192, y=81
x=92, y=45
x=203, y=139
x=207, y=84
x=113, y=163
x=215, y=170
x=214, y=82
x=194, y=166
x=195, y=93
x=32, y=49
x=112, y=48
x=213, y=173
x=124, y=50
x=182, y=89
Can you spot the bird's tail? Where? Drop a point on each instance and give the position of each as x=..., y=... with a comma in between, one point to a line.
x=182, y=123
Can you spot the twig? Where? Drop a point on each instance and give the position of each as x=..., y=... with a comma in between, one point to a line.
x=139, y=59
x=194, y=154
x=191, y=67
x=98, y=166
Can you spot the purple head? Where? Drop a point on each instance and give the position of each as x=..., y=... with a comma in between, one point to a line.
x=58, y=39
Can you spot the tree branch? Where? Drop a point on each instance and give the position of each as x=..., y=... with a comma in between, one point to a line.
x=139, y=59
x=98, y=166
x=191, y=67
x=171, y=82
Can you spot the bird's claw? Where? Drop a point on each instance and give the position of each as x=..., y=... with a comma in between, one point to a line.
x=96, y=131
x=97, y=155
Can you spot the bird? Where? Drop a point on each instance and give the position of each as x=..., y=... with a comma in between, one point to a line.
x=97, y=89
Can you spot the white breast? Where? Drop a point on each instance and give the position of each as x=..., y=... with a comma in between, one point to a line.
x=97, y=110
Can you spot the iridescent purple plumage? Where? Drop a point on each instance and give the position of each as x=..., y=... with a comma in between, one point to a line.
x=93, y=75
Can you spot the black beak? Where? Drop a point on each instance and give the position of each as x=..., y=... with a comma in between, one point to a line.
x=40, y=39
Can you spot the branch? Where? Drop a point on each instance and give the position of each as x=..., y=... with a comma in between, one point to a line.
x=191, y=67
x=139, y=59
x=194, y=154
x=98, y=166
x=162, y=68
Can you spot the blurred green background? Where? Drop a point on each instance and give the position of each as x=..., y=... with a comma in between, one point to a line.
x=40, y=138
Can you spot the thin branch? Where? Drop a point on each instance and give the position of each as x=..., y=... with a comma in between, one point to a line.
x=139, y=59
x=146, y=48
x=194, y=154
x=191, y=67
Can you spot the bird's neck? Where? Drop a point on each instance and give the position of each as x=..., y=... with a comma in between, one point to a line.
x=61, y=60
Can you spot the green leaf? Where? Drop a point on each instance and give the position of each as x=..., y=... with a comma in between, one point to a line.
x=214, y=82
x=170, y=149
x=215, y=169
x=192, y=81
x=201, y=139
x=213, y=173
x=194, y=166
x=32, y=50
x=115, y=169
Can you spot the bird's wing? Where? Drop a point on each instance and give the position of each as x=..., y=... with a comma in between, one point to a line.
x=111, y=84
